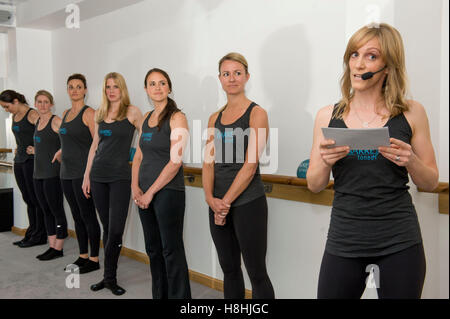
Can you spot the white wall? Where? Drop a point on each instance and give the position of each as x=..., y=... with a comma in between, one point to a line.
x=295, y=53
x=443, y=149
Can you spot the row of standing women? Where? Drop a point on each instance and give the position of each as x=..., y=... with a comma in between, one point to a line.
x=373, y=219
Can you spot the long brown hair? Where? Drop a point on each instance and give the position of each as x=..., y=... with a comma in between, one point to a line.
x=171, y=106
x=395, y=85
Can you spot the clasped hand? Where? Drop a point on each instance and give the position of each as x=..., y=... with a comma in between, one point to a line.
x=220, y=209
x=140, y=199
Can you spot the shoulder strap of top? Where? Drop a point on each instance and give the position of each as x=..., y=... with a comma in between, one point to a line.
x=65, y=115
x=25, y=116
x=335, y=108
x=145, y=123
x=219, y=116
x=250, y=107
x=83, y=109
x=248, y=112
x=333, y=116
x=50, y=121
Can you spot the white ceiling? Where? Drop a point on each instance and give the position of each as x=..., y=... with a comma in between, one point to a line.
x=51, y=15
x=12, y=2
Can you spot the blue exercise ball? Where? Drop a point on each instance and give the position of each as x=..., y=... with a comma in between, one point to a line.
x=302, y=168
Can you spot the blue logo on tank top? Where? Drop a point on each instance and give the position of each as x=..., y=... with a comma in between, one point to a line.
x=63, y=131
x=37, y=139
x=364, y=155
x=16, y=128
x=226, y=137
x=147, y=137
x=105, y=132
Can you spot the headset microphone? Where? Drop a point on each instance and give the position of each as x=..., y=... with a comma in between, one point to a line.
x=369, y=75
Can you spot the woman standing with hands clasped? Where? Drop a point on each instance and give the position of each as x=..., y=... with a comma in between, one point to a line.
x=23, y=125
x=232, y=183
x=46, y=175
x=108, y=173
x=158, y=188
x=373, y=220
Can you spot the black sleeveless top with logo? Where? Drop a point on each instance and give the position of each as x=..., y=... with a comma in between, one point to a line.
x=155, y=148
x=110, y=163
x=373, y=214
x=23, y=132
x=76, y=141
x=231, y=142
x=46, y=144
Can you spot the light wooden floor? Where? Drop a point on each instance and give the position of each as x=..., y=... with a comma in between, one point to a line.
x=22, y=275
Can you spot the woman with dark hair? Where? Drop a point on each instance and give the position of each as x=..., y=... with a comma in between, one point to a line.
x=158, y=188
x=234, y=192
x=75, y=133
x=373, y=220
x=23, y=126
x=108, y=173
x=46, y=175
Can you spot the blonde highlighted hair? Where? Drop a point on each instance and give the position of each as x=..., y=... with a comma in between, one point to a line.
x=46, y=94
x=234, y=56
x=102, y=112
x=395, y=86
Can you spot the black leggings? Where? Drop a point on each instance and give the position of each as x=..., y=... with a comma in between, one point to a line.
x=84, y=216
x=50, y=197
x=162, y=223
x=23, y=172
x=397, y=276
x=112, y=201
x=245, y=231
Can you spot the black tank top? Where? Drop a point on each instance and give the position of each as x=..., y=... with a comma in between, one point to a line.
x=111, y=158
x=155, y=147
x=231, y=142
x=373, y=213
x=23, y=131
x=46, y=144
x=76, y=141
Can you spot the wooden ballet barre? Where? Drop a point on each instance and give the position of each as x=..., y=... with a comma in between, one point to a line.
x=276, y=186
x=442, y=191
x=296, y=189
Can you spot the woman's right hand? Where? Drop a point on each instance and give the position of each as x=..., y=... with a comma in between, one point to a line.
x=218, y=206
x=86, y=187
x=220, y=209
x=219, y=220
x=136, y=193
x=330, y=154
x=57, y=156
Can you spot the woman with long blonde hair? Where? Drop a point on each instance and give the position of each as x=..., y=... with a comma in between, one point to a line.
x=108, y=174
x=373, y=220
